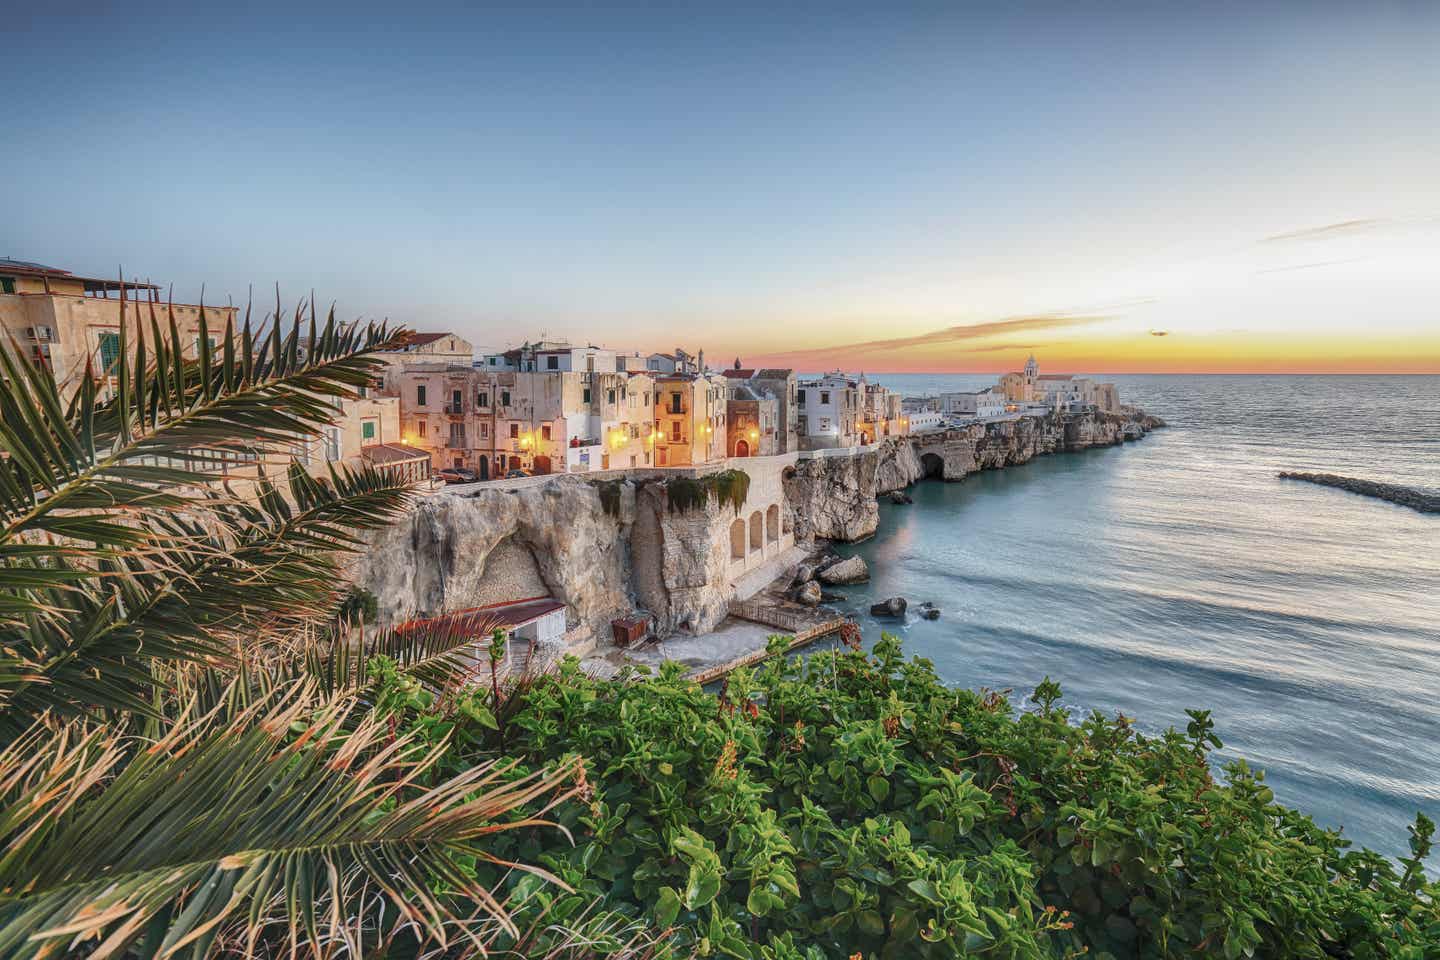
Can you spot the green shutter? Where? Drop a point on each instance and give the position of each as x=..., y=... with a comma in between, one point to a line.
x=367, y=430
x=109, y=351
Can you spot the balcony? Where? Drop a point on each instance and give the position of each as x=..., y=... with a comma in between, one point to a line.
x=457, y=442
x=454, y=409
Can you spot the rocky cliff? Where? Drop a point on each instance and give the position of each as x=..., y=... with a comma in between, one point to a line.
x=454, y=552
x=555, y=537
x=834, y=497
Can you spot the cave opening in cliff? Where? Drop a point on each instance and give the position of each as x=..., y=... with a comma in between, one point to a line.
x=933, y=465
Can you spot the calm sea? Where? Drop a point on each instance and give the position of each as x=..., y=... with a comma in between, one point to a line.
x=1179, y=572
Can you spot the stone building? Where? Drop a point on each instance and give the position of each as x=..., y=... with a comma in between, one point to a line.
x=751, y=421
x=689, y=419
x=779, y=383
x=829, y=412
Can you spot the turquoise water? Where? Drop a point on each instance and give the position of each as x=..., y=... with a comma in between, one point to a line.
x=1179, y=572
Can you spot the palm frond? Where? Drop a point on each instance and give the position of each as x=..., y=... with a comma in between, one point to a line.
x=443, y=652
x=212, y=580
x=281, y=819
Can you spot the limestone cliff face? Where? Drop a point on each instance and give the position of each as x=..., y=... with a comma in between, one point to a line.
x=834, y=497
x=453, y=552
x=681, y=562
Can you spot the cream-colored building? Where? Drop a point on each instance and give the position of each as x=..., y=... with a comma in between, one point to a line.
x=542, y=422
x=63, y=321
x=689, y=419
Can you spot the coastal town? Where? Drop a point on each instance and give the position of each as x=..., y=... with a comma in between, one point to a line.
x=444, y=410
x=621, y=505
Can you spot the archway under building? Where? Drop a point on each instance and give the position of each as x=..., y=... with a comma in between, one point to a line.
x=933, y=465
x=742, y=448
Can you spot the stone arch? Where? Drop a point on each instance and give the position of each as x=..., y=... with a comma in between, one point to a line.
x=933, y=465
x=772, y=523
x=757, y=531
x=737, y=540
x=742, y=448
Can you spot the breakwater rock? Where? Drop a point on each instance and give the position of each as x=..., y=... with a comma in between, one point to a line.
x=1393, y=492
x=834, y=496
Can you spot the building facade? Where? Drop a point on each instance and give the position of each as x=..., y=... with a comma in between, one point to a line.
x=828, y=412
x=689, y=419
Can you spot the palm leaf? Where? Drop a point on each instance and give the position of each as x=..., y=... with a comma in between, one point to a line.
x=246, y=569
x=282, y=819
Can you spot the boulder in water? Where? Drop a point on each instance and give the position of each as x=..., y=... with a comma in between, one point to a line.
x=809, y=594
x=929, y=611
x=893, y=607
x=852, y=570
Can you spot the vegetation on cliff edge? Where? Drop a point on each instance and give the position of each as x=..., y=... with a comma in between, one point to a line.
x=852, y=805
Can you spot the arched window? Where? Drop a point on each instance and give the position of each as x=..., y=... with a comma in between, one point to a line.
x=772, y=523
x=756, y=531
x=737, y=540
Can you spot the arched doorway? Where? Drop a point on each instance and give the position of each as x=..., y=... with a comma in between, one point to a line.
x=484, y=467
x=742, y=448
x=542, y=463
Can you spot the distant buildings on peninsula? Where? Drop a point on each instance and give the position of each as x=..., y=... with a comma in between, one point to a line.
x=544, y=407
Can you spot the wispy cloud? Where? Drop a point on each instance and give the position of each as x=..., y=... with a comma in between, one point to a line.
x=1328, y=230
x=957, y=335
x=1311, y=266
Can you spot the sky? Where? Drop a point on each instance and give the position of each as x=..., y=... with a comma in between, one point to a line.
x=1116, y=187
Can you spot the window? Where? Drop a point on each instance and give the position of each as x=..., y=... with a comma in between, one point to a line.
x=675, y=431
x=545, y=432
x=455, y=401
x=552, y=363
x=420, y=427
x=332, y=443
x=420, y=395
x=610, y=396
x=514, y=430
x=801, y=401
x=586, y=397
x=368, y=429
x=504, y=398
x=482, y=399
x=824, y=396
x=109, y=351
x=7, y=284
x=646, y=401
x=675, y=403
x=484, y=431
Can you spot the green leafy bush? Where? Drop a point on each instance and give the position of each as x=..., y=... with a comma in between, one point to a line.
x=854, y=805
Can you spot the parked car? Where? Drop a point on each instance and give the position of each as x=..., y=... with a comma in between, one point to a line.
x=513, y=474
x=457, y=475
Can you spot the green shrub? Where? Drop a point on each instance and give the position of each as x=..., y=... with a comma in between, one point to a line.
x=854, y=805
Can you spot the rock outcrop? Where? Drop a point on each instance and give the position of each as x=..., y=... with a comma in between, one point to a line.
x=1410, y=497
x=452, y=552
x=893, y=607
x=834, y=498
x=852, y=570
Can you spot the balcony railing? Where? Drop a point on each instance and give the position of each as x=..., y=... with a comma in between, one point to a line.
x=456, y=442
x=454, y=408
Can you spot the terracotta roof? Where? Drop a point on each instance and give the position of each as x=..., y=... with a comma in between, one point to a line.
x=742, y=374
x=420, y=339
x=774, y=373
x=392, y=453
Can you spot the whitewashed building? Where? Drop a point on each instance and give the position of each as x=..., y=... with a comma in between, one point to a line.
x=973, y=404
